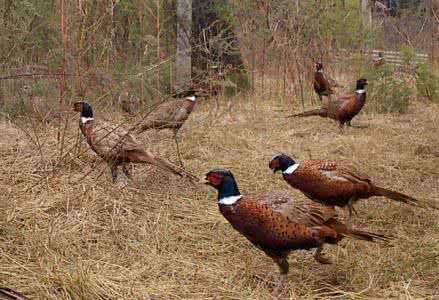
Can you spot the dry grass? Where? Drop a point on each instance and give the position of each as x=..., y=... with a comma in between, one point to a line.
x=69, y=237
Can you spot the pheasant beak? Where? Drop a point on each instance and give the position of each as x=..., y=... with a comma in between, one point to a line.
x=205, y=180
x=274, y=165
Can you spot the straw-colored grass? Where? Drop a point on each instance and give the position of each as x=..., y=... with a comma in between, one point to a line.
x=66, y=236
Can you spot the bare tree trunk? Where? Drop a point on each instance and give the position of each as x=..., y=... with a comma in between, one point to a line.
x=113, y=31
x=183, y=66
x=367, y=12
x=435, y=30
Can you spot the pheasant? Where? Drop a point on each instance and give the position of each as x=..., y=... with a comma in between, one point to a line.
x=343, y=109
x=40, y=109
x=277, y=224
x=332, y=183
x=321, y=85
x=117, y=146
x=128, y=102
x=172, y=115
x=379, y=61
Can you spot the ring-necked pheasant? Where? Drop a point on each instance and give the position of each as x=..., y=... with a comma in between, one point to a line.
x=379, y=61
x=116, y=145
x=342, y=109
x=278, y=224
x=171, y=115
x=332, y=183
x=321, y=85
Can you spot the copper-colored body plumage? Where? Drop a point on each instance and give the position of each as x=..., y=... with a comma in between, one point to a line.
x=341, y=109
x=321, y=85
x=332, y=183
x=118, y=147
x=277, y=223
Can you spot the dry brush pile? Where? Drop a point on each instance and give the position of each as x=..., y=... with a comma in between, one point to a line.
x=66, y=232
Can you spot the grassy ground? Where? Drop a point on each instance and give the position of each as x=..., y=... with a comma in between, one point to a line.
x=67, y=236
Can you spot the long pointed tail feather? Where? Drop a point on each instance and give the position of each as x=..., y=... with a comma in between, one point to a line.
x=395, y=196
x=144, y=127
x=149, y=158
x=314, y=112
x=378, y=191
x=366, y=236
x=344, y=230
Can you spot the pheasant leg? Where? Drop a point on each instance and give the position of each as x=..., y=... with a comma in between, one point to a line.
x=114, y=172
x=178, y=149
x=126, y=171
x=351, y=209
x=283, y=265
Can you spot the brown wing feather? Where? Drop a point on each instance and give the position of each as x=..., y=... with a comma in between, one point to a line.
x=342, y=169
x=272, y=222
x=111, y=141
x=350, y=172
x=163, y=116
x=302, y=211
x=335, y=105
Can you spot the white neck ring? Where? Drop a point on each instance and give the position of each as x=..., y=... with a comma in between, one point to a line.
x=230, y=200
x=85, y=120
x=291, y=169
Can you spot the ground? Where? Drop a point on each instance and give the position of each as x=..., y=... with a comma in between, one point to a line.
x=66, y=232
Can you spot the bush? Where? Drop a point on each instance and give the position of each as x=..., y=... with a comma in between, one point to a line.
x=389, y=91
x=427, y=83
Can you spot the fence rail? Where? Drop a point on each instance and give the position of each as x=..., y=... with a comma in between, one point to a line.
x=392, y=57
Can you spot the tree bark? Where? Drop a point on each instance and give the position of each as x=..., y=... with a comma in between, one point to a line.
x=435, y=30
x=367, y=13
x=183, y=67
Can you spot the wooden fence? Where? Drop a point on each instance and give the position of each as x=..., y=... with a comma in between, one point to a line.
x=390, y=57
x=396, y=57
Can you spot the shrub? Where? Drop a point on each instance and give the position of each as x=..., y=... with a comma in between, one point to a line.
x=389, y=91
x=427, y=83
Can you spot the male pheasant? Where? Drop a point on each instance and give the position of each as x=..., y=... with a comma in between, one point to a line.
x=117, y=146
x=332, y=183
x=277, y=224
x=379, y=61
x=171, y=115
x=342, y=109
x=321, y=85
